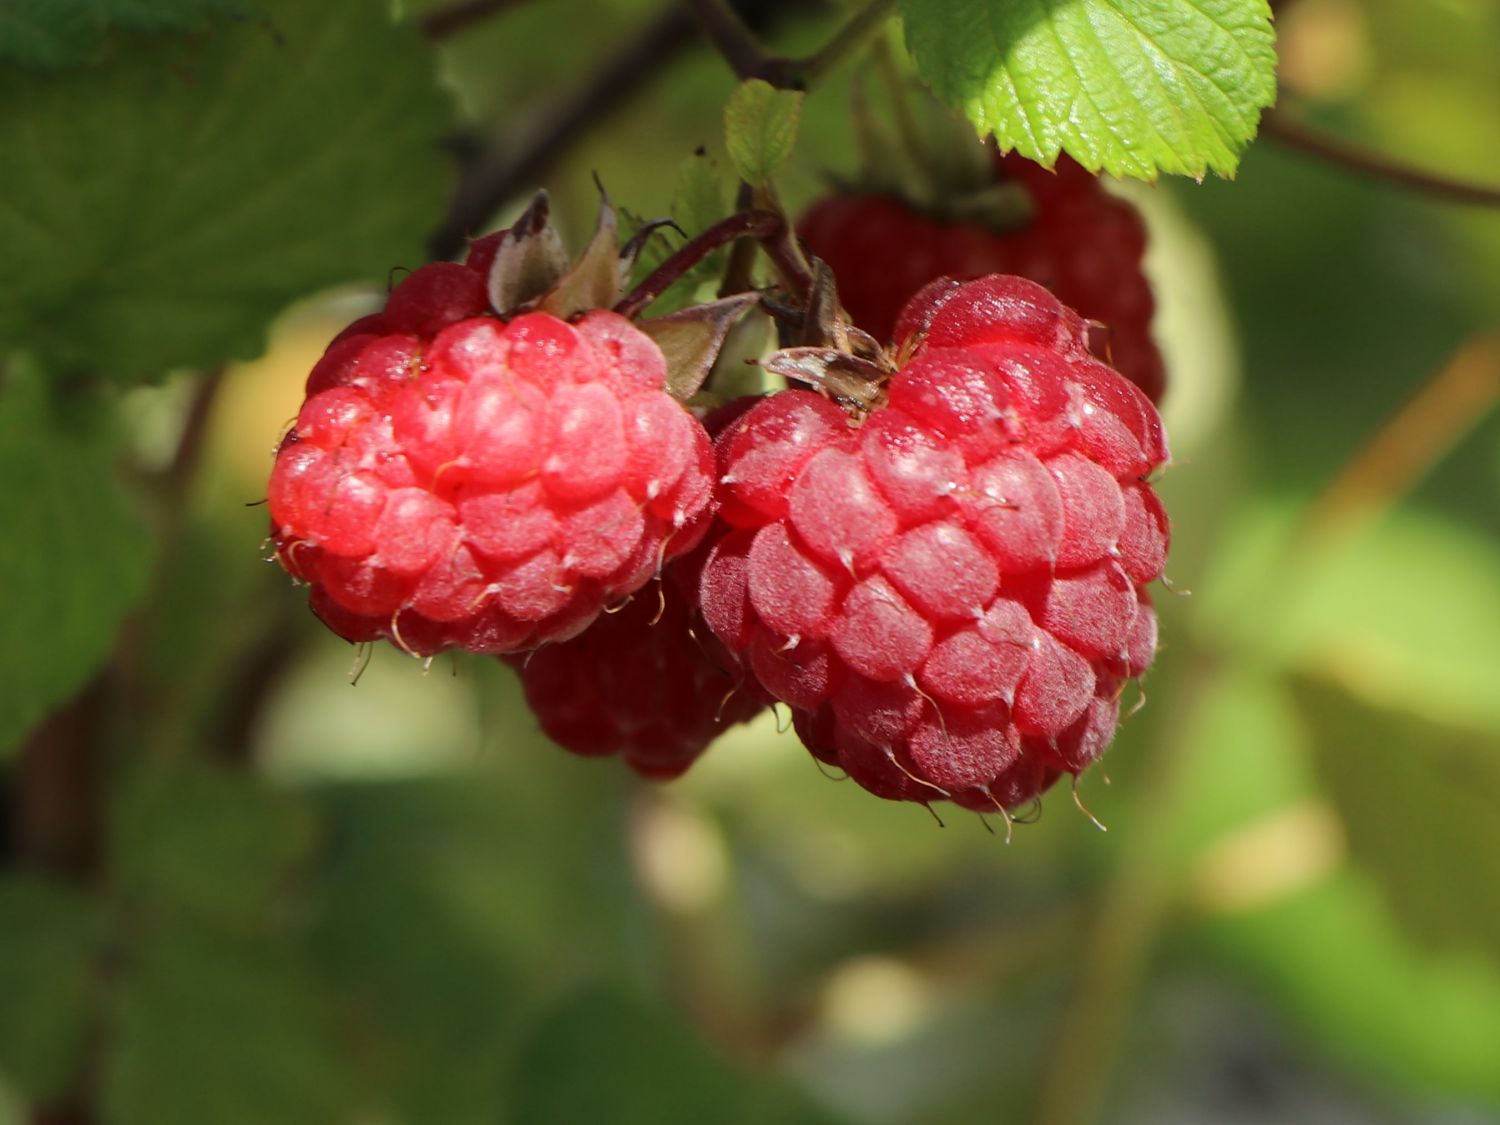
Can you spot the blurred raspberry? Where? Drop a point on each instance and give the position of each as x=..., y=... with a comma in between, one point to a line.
x=644, y=682
x=1080, y=241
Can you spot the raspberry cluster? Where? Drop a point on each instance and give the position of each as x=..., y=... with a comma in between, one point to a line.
x=457, y=479
x=951, y=594
x=1079, y=241
x=939, y=566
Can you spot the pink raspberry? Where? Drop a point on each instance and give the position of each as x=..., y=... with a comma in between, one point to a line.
x=950, y=591
x=458, y=479
x=645, y=682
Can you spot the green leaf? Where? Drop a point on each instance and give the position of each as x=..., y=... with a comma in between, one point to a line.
x=47, y=32
x=760, y=129
x=1129, y=87
x=1351, y=611
x=1333, y=962
x=432, y=991
x=209, y=1029
x=52, y=33
x=50, y=936
x=207, y=843
x=161, y=207
x=700, y=199
x=603, y=1055
x=1418, y=801
x=77, y=557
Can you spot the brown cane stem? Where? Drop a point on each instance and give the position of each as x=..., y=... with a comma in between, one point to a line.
x=1334, y=150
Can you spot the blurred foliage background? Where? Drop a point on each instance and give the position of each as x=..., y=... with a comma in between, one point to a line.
x=239, y=890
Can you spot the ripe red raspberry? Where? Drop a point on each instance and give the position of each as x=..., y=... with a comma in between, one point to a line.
x=950, y=592
x=459, y=479
x=1081, y=242
x=646, y=682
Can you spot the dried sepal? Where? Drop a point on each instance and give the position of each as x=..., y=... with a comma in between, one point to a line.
x=692, y=338
x=845, y=378
x=597, y=279
x=530, y=260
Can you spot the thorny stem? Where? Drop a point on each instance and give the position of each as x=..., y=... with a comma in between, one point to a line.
x=1334, y=150
x=441, y=23
x=749, y=59
x=768, y=227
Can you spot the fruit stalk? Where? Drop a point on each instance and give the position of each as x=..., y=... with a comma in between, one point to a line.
x=767, y=227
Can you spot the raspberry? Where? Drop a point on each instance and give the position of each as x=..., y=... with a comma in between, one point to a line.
x=949, y=592
x=1081, y=242
x=641, y=682
x=456, y=478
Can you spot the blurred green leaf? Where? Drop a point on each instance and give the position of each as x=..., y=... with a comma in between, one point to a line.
x=48, y=32
x=603, y=1055
x=428, y=994
x=1347, y=298
x=1130, y=87
x=760, y=129
x=1408, y=608
x=1245, y=763
x=212, y=1028
x=700, y=199
x=76, y=559
x=162, y=206
x=698, y=202
x=1418, y=802
x=50, y=940
x=54, y=33
x=12, y=1112
x=206, y=843
x=1331, y=959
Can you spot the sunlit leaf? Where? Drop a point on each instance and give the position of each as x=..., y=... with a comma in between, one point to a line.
x=760, y=129
x=1130, y=87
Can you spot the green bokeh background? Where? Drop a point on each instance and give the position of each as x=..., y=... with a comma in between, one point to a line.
x=395, y=902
